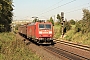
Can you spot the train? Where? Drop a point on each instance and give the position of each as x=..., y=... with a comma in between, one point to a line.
x=39, y=32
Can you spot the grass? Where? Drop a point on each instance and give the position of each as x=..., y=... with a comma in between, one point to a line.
x=81, y=38
x=14, y=49
x=69, y=35
x=72, y=36
x=57, y=31
x=78, y=37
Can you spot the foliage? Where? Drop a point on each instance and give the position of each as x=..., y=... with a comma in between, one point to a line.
x=57, y=29
x=57, y=23
x=16, y=27
x=35, y=20
x=67, y=25
x=6, y=14
x=86, y=21
x=78, y=26
x=12, y=48
x=51, y=20
x=1, y=27
x=84, y=24
x=72, y=22
x=69, y=35
x=59, y=18
x=78, y=37
x=72, y=36
x=80, y=32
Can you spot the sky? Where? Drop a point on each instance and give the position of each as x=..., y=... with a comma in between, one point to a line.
x=44, y=9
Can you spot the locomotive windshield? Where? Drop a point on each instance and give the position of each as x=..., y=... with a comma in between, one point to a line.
x=48, y=26
x=41, y=26
x=45, y=26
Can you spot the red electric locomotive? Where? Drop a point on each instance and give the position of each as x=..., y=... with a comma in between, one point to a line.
x=41, y=32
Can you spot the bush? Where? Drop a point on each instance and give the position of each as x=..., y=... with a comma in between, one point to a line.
x=72, y=22
x=77, y=27
x=12, y=48
x=67, y=25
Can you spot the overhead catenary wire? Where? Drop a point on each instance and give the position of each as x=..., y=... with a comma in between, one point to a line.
x=67, y=12
x=76, y=9
x=58, y=7
x=50, y=7
x=55, y=4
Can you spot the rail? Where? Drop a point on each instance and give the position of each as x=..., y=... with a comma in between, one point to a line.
x=65, y=53
x=80, y=46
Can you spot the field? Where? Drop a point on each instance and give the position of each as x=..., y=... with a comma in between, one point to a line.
x=12, y=48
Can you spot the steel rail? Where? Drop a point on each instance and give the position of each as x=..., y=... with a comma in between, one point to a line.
x=66, y=54
x=84, y=47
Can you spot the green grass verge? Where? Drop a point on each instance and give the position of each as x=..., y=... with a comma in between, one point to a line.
x=78, y=37
x=57, y=31
x=14, y=49
x=72, y=36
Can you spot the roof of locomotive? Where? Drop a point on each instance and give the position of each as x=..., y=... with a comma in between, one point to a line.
x=31, y=24
x=38, y=23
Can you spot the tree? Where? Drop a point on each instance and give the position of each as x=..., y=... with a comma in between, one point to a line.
x=86, y=21
x=72, y=22
x=84, y=24
x=59, y=18
x=51, y=20
x=78, y=26
x=67, y=25
x=35, y=20
x=6, y=14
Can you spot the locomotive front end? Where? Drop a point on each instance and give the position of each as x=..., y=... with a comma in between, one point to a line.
x=45, y=33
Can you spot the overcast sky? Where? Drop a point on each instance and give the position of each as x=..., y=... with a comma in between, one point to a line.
x=44, y=9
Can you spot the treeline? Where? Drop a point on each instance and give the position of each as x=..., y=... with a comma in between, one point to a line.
x=5, y=15
x=66, y=24
x=84, y=24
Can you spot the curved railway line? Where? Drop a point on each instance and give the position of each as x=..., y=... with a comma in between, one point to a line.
x=72, y=52
x=80, y=46
x=67, y=50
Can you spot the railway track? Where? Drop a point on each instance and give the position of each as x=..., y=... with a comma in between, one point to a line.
x=80, y=46
x=65, y=54
x=73, y=52
x=60, y=51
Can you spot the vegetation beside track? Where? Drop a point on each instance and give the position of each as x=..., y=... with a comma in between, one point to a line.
x=72, y=36
x=78, y=37
x=12, y=48
x=76, y=31
x=57, y=33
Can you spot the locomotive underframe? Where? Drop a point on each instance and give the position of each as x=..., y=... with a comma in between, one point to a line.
x=45, y=40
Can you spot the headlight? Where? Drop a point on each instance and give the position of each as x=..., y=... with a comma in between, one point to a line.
x=40, y=32
x=50, y=32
